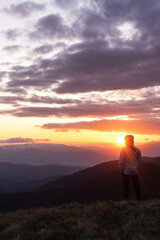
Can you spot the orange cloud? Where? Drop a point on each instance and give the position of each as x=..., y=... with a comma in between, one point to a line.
x=129, y=126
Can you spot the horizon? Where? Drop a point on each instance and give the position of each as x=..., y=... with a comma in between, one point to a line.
x=29, y=141
x=79, y=72
x=110, y=150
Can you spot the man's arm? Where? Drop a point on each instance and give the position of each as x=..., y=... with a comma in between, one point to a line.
x=122, y=160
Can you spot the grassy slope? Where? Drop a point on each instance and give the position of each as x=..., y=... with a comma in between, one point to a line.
x=100, y=221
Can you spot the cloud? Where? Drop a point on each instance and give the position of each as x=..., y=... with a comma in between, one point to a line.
x=50, y=100
x=43, y=49
x=123, y=11
x=12, y=34
x=10, y=99
x=45, y=140
x=101, y=60
x=36, y=99
x=49, y=26
x=17, y=140
x=119, y=63
x=90, y=67
x=128, y=126
x=18, y=90
x=100, y=57
x=24, y=140
x=2, y=74
x=132, y=108
x=93, y=25
x=12, y=48
x=33, y=75
x=99, y=68
x=24, y=9
x=65, y=4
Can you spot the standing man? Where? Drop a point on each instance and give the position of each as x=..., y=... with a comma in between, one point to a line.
x=129, y=161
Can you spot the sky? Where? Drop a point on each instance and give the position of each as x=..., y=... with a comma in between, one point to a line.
x=79, y=71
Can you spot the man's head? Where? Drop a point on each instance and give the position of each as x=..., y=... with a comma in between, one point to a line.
x=129, y=140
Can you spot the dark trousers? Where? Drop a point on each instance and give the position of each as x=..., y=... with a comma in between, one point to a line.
x=126, y=183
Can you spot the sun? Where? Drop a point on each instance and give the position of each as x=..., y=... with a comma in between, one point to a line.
x=120, y=140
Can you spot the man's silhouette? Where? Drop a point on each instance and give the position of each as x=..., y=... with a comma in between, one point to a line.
x=129, y=161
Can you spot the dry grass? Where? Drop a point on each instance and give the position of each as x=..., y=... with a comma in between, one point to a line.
x=99, y=221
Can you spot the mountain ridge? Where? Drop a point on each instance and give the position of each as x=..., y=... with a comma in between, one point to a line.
x=12, y=175
x=99, y=183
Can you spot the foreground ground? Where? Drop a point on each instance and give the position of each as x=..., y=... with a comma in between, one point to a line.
x=99, y=221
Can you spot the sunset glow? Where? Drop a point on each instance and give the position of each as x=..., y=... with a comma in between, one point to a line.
x=120, y=140
x=73, y=79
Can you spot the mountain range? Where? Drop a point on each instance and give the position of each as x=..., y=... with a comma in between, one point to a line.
x=84, y=156
x=21, y=177
x=42, y=154
x=100, y=182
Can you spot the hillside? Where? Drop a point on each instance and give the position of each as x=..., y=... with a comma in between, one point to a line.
x=21, y=177
x=97, y=221
x=110, y=170
x=99, y=183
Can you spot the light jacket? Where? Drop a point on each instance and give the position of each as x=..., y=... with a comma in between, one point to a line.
x=129, y=160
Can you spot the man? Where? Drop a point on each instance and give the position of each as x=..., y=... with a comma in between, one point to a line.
x=129, y=162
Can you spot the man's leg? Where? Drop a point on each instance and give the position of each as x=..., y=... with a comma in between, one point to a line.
x=126, y=181
x=136, y=186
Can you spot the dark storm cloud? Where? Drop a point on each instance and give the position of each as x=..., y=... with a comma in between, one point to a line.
x=24, y=9
x=49, y=26
x=17, y=140
x=131, y=126
x=43, y=49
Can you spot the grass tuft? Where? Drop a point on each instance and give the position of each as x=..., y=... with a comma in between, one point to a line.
x=125, y=220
